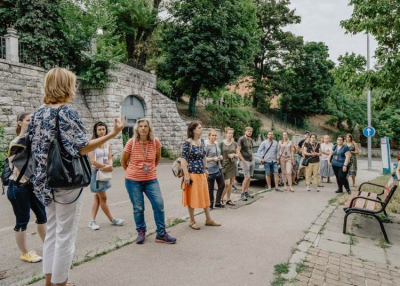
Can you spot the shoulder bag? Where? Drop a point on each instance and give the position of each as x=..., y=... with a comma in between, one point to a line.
x=217, y=174
x=64, y=171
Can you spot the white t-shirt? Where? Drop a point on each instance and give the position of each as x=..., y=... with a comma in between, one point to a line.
x=325, y=148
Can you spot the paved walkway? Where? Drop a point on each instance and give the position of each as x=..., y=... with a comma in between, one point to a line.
x=326, y=256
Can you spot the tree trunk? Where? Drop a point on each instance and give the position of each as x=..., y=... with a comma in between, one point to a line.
x=130, y=47
x=193, y=100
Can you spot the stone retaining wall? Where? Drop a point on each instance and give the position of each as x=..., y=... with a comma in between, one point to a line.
x=21, y=90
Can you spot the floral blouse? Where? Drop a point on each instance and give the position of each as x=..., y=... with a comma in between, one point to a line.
x=42, y=131
x=196, y=157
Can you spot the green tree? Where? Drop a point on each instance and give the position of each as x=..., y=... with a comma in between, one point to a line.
x=208, y=43
x=345, y=104
x=272, y=17
x=380, y=19
x=307, y=82
x=39, y=25
x=137, y=21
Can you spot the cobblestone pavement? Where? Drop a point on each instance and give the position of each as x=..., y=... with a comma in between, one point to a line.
x=328, y=268
x=326, y=256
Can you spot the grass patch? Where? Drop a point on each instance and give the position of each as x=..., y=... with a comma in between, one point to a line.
x=353, y=240
x=300, y=268
x=384, y=218
x=279, y=281
x=175, y=222
x=282, y=268
x=383, y=244
x=35, y=279
x=333, y=201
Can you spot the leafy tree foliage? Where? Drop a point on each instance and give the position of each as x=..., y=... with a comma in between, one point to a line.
x=275, y=43
x=235, y=118
x=307, y=81
x=379, y=18
x=208, y=43
x=137, y=20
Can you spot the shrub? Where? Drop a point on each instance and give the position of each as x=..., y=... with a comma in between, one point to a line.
x=236, y=118
x=3, y=151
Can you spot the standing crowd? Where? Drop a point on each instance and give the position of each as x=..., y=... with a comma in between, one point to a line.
x=204, y=164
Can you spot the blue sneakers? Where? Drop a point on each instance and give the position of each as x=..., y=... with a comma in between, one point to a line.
x=165, y=238
x=141, y=237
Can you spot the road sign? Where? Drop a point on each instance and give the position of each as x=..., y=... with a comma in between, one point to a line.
x=369, y=131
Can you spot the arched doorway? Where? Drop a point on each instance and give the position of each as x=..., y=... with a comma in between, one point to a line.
x=133, y=109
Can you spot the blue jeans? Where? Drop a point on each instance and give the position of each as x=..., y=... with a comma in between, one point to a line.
x=23, y=200
x=152, y=190
x=271, y=168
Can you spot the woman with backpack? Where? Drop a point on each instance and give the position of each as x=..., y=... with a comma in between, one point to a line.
x=102, y=164
x=195, y=187
x=63, y=206
x=140, y=158
x=23, y=200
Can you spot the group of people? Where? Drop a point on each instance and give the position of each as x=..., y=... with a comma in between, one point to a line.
x=204, y=164
x=325, y=160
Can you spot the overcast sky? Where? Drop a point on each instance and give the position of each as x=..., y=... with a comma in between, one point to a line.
x=320, y=22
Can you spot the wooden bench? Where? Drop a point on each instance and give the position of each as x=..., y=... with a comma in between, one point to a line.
x=371, y=204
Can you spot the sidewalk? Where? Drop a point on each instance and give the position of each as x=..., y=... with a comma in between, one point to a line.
x=243, y=251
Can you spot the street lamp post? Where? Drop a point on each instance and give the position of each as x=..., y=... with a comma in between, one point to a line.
x=369, y=109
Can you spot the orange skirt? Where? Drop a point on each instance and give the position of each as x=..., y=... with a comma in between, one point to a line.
x=196, y=194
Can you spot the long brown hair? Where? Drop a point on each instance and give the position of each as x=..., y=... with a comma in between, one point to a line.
x=191, y=127
x=21, y=118
x=94, y=136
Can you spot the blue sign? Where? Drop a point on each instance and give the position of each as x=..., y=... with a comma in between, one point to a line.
x=369, y=131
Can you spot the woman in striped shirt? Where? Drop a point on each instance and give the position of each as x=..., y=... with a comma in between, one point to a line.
x=140, y=158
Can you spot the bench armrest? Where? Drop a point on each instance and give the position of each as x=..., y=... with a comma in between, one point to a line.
x=365, y=198
x=372, y=184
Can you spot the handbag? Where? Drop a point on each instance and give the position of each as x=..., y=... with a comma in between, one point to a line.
x=64, y=171
x=100, y=175
x=306, y=161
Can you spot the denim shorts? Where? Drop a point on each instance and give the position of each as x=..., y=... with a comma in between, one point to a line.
x=98, y=186
x=271, y=168
x=23, y=200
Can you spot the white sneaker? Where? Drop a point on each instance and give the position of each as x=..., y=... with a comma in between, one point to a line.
x=118, y=221
x=93, y=225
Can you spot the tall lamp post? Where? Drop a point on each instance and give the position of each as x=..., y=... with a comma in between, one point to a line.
x=369, y=109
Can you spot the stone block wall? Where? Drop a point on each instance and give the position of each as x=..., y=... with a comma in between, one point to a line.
x=169, y=126
x=22, y=89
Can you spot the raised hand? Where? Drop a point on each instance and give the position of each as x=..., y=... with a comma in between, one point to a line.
x=118, y=126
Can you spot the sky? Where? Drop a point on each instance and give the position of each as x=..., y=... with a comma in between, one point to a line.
x=320, y=22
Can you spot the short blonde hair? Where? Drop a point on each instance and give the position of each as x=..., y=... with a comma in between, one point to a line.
x=136, y=134
x=248, y=128
x=59, y=86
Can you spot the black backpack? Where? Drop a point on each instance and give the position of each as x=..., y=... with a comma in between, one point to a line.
x=5, y=175
x=22, y=160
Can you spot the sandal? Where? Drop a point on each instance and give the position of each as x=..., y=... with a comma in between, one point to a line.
x=320, y=186
x=70, y=284
x=212, y=223
x=194, y=225
x=292, y=190
x=229, y=202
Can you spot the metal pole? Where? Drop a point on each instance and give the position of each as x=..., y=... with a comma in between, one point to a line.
x=369, y=109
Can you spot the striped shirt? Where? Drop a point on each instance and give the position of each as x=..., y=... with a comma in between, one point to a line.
x=135, y=170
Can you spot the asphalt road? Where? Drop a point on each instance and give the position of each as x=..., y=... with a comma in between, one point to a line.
x=285, y=217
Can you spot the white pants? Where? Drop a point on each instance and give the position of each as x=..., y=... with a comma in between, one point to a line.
x=62, y=227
